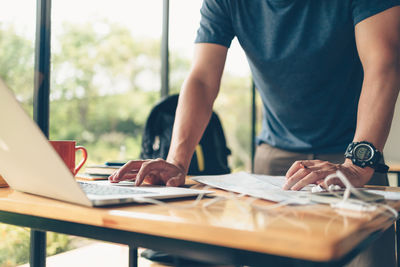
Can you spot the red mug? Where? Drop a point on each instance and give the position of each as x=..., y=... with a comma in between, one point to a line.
x=67, y=150
x=2, y=182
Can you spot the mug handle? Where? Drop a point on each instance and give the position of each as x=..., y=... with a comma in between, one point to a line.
x=84, y=158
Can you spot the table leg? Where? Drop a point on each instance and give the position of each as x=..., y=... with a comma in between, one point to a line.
x=398, y=178
x=397, y=242
x=133, y=256
x=37, y=256
x=398, y=230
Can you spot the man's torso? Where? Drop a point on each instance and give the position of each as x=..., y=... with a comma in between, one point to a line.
x=304, y=62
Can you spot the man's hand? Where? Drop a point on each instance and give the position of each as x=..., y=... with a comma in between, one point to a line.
x=156, y=172
x=305, y=172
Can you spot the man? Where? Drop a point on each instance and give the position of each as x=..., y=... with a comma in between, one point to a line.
x=328, y=73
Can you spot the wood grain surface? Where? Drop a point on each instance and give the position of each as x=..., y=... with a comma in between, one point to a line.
x=314, y=232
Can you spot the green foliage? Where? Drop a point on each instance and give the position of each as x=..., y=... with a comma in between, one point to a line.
x=112, y=121
x=57, y=243
x=16, y=64
x=103, y=86
x=97, y=94
x=14, y=245
x=104, y=83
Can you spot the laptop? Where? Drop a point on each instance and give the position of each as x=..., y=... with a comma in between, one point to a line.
x=29, y=164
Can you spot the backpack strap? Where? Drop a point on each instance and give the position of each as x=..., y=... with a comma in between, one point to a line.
x=200, y=157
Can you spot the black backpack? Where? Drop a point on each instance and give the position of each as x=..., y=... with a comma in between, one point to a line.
x=210, y=156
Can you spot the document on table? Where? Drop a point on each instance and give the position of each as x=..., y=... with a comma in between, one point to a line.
x=259, y=186
x=387, y=194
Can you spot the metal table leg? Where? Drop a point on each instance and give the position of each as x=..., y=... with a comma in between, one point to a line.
x=37, y=257
x=397, y=242
x=398, y=178
x=133, y=256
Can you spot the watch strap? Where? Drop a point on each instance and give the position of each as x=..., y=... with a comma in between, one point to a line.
x=382, y=168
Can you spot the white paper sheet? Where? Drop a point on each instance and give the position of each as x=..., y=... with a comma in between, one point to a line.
x=259, y=186
x=387, y=194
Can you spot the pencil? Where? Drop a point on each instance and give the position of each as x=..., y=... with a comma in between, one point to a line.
x=303, y=166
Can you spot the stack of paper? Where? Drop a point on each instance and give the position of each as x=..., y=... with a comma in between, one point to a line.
x=259, y=186
x=97, y=172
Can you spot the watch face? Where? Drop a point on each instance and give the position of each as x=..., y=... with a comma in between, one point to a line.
x=363, y=152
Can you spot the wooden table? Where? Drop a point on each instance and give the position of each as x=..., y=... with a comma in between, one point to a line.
x=231, y=231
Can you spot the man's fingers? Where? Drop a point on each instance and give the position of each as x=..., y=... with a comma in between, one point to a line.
x=301, y=164
x=139, y=178
x=293, y=169
x=159, y=171
x=129, y=176
x=311, y=178
x=305, y=172
x=131, y=167
x=292, y=180
x=117, y=176
x=147, y=168
x=176, y=181
x=159, y=166
x=154, y=178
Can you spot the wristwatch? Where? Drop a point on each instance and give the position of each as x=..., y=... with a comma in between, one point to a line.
x=364, y=154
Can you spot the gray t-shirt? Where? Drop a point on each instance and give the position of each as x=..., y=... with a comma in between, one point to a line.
x=304, y=62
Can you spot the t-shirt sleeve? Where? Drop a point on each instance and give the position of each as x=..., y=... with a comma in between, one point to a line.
x=363, y=9
x=215, y=24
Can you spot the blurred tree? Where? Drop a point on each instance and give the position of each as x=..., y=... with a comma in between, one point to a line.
x=98, y=94
x=93, y=64
x=103, y=84
x=14, y=245
x=16, y=64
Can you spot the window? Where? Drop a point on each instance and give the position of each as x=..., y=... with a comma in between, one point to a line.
x=105, y=74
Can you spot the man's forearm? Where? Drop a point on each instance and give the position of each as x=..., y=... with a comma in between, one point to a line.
x=377, y=103
x=192, y=116
x=196, y=101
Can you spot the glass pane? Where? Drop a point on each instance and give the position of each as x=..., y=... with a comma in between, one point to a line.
x=105, y=74
x=17, y=40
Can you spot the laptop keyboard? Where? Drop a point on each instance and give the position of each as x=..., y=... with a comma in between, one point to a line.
x=102, y=190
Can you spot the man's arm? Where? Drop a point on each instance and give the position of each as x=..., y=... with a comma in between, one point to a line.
x=378, y=44
x=196, y=101
x=192, y=116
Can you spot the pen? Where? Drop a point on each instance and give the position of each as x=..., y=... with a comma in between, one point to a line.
x=303, y=166
x=110, y=163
